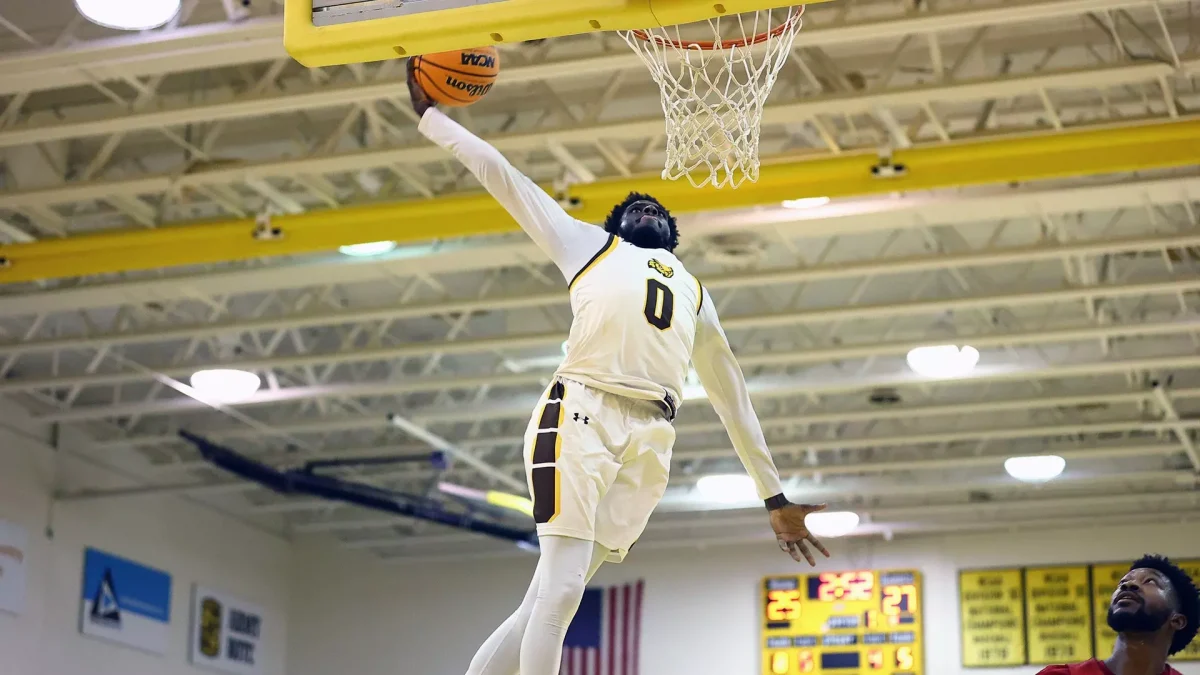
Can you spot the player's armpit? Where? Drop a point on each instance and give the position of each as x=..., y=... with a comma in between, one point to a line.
x=568, y=242
x=723, y=380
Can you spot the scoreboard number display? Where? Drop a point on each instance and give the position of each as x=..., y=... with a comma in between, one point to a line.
x=1044, y=615
x=843, y=622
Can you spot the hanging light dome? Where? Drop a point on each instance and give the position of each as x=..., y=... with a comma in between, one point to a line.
x=1035, y=468
x=727, y=488
x=128, y=14
x=831, y=523
x=943, y=361
x=226, y=385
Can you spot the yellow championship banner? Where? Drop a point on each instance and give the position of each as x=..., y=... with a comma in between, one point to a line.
x=992, y=617
x=1058, y=614
x=1044, y=615
x=1192, y=651
x=856, y=622
x=1104, y=583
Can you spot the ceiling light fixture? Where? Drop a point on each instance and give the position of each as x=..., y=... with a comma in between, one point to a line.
x=806, y=203
x=1035, y=468
x=831, y=523
x=367, y=250
x=128, y=14
x=226, y=385
x=727, y=488
x=943, y=361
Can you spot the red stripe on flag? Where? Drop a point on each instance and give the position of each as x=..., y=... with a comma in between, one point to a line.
x=625, y=631
x=612, y=631
x=595, y=662
x=637, y=630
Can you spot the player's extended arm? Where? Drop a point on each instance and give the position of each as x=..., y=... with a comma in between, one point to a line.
x=725, y=384
x=568, y=242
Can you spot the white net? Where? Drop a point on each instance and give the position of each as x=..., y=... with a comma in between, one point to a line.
x=714, y=89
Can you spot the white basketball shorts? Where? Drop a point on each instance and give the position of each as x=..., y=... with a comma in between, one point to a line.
x=597, y=464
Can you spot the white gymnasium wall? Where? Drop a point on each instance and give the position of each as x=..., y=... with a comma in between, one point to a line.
x=192, y=543
x=352, y=614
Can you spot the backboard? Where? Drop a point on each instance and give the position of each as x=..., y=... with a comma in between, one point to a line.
x=335, y=32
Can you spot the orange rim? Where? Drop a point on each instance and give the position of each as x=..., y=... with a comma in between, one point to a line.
x=794, y=15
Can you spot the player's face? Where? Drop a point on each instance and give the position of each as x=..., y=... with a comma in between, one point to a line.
x=1142, y=603
x=645, y=224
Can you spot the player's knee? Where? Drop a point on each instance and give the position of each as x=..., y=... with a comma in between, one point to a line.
x=561, y=599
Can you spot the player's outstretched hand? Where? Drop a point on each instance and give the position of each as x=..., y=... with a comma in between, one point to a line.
x=420, y=100
x=791, y=532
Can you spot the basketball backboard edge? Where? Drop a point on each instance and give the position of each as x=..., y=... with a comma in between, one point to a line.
x=375, y=30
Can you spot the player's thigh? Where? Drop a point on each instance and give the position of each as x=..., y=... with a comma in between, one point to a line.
x=638, y=488
x=568, y=466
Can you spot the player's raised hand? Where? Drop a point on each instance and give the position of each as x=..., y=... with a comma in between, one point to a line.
x=792, y=533
x=420, y=100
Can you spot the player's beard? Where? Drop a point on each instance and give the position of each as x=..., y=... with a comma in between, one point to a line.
x=1139, y=621
x=646, y=236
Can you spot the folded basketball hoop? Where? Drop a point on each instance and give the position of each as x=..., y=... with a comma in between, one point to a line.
x=713, y=90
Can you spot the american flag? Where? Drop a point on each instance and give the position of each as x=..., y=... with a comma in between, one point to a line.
x=605, y=635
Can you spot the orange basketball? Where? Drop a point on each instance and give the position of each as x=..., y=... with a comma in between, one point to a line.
x=458, y=78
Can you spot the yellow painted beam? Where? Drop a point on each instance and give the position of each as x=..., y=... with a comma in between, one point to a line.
x=486, y=24
x=1076, y=153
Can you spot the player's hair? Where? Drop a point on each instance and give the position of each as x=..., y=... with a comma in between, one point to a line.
x=1187, y=597
x=612, y=224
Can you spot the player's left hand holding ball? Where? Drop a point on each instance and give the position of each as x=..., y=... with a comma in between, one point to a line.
x=791, y=532
x=420, y=100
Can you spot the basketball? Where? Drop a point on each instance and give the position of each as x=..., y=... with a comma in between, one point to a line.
x=458, y=78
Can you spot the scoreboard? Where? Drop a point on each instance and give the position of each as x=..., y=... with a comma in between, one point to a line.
x=1043, y=615
x=843, y=623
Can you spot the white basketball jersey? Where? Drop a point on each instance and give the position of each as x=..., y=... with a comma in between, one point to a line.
x=635, y=323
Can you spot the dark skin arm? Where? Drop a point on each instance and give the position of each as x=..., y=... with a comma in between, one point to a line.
x=791, y=532
x=420, y=100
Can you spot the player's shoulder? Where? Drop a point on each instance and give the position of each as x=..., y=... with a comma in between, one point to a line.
x=1089, y=667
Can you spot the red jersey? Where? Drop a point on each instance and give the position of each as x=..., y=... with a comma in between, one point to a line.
x=1091, y=667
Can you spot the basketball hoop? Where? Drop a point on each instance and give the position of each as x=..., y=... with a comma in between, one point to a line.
x=713, y=90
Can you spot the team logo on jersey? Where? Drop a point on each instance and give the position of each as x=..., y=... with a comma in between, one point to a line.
x=660, y=268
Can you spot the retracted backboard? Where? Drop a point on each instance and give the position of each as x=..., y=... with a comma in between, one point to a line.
x=334, y=32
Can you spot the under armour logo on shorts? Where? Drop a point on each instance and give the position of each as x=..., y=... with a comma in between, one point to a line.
x=585, y=419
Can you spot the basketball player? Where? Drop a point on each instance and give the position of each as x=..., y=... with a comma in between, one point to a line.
x=598, y=448
x=1154, y=612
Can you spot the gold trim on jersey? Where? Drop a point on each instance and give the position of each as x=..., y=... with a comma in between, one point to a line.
x=609, y=246
x=700, y=301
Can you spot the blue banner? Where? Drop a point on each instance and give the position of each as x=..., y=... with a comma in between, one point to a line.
x=125, y=602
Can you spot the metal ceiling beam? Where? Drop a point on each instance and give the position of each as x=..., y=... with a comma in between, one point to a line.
x=827, y=314
x=256, y=105
x=1076, y=153
x=793, y=357
x=224, y=44
x=811, y=383
x=1106, y=76
x=901, y=212
x=211, y=45
x=519, y=409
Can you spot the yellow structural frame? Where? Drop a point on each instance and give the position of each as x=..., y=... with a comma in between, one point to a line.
x=1035, y=157
x=487, y=24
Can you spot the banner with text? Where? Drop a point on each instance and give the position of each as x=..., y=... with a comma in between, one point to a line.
x=125, y=602
x=1044, y=615
x=227, y=633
